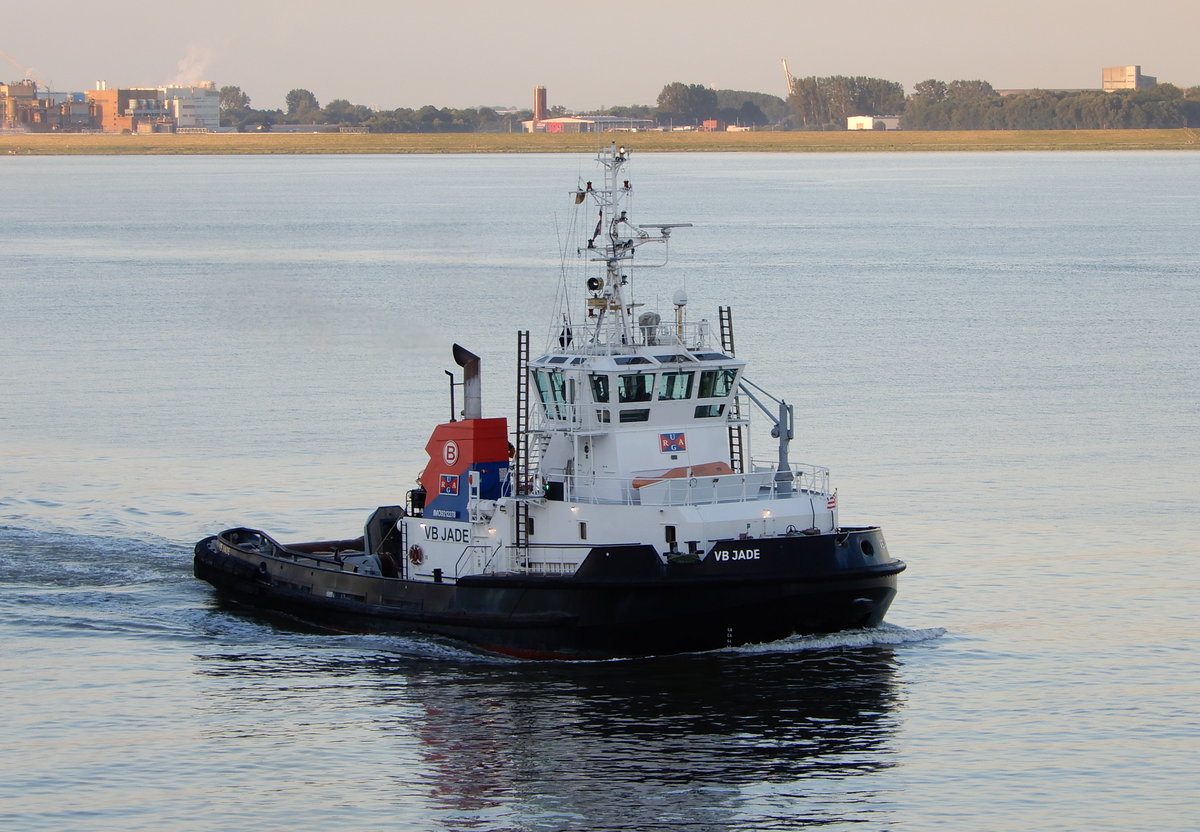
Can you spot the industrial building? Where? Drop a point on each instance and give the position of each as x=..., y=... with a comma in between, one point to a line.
x=194, y=108
x=1126, y=78
x=541, y=123
x=25, y=107
x=587, y=124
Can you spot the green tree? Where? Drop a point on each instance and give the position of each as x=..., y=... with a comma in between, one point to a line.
x=749, y=114
x=631, y=111
x=1190, y=106
x=877, y=97
x=732, y=107
x=974, y=105
x=959, y=92
x=234, y=106
x=487, y=120
x=827, y=102
x=958, y=105
x=1033, y=111
x=932, y=91
x=686, y=103
x=1165, y=92
x=258, y=120
x=809, y=101
x=302, y=106
x=233, y=99
x=391, y=121
x=341, y=111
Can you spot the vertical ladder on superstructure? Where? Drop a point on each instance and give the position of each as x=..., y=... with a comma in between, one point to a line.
x=521, y=462
x=735, y=430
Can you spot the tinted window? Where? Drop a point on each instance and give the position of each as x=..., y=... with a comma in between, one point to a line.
x=599, y=388
x=674, y=386
x=636, y=388
x=551, y=389
x=716, y=383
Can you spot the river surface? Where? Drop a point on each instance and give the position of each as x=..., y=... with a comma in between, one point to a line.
x=996, y=354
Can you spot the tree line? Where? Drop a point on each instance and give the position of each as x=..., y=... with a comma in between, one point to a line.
x=302, y=107
x=974, y=105
x=814, y=103
x=678, y=105
x=826, y=103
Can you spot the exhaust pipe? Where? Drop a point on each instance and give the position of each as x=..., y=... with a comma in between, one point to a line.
x=472, y=384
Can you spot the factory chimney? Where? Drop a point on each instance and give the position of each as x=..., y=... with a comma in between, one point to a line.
x=539, y=103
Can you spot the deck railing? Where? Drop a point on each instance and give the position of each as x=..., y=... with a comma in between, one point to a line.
x=761, y=482
x=595, y=338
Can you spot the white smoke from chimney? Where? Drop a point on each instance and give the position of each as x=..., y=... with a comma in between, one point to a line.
x=193, y=67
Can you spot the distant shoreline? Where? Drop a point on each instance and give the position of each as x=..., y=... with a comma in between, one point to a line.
x=769, y=142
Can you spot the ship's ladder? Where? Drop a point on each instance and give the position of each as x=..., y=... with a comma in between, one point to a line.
x=522, y=469
x=735, y=429
x=537, y=450
x=402, y=529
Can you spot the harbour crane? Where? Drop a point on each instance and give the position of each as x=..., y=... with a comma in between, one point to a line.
x=791, y=82
x=28, y=73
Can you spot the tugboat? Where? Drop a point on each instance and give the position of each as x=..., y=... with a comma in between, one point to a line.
x=620, y=515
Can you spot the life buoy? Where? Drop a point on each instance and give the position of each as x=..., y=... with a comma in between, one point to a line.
x=416, y=555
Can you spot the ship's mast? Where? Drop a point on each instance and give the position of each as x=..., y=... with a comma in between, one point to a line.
x=612, y=243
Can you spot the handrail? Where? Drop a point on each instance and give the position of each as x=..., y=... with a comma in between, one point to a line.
x=759, y=483
x=603, y=340
x=467, y=551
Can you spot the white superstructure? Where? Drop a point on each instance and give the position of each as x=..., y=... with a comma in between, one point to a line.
x=633, y=427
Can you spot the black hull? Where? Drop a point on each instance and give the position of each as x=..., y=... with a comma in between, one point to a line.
x=621, y=602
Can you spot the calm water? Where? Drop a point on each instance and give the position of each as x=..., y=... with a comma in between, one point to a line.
x=996, y=354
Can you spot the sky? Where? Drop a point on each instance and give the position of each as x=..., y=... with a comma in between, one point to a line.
x=468, y=53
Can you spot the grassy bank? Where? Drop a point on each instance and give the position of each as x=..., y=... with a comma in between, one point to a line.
x=794, y=142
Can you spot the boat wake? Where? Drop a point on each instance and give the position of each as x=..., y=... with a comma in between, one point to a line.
x=885, y=635
x=249, y=627
x=245, y=629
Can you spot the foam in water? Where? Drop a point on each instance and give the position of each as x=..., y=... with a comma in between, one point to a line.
x=885, y=635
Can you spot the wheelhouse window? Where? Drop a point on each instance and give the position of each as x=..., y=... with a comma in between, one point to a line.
x=552, y=391
x=599, y=388
x=717, y=383
x=709, y=411
x=675, y=386
x=635, y=388
x=641, y=415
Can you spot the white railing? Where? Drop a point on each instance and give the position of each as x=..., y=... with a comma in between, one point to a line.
x=760, y=483
x=593, y=337
x=476, y=557
x=811, y=478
